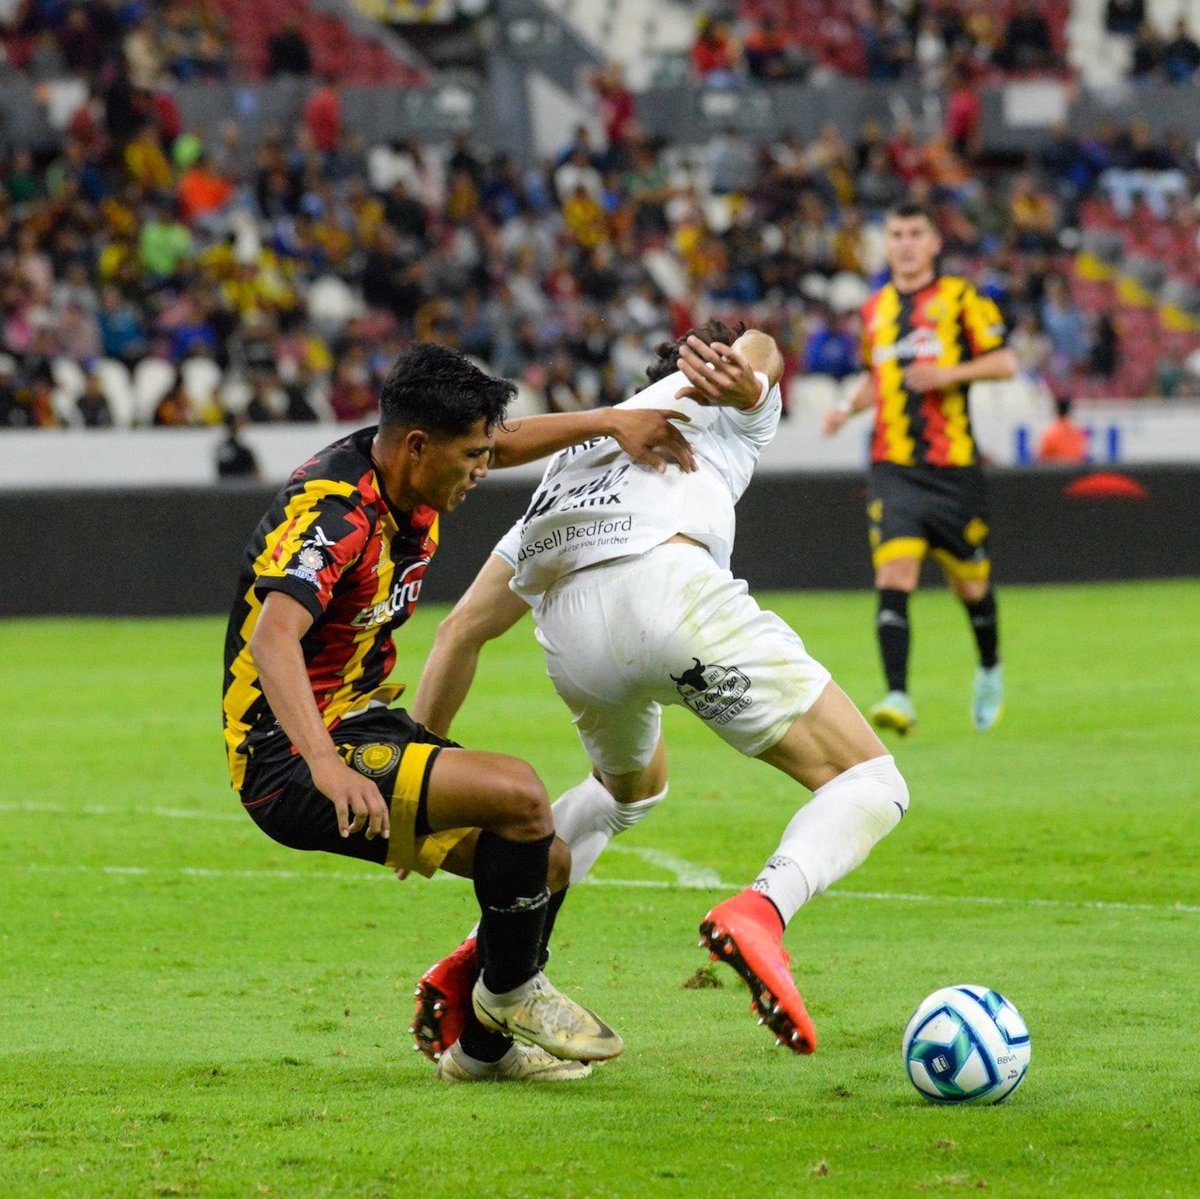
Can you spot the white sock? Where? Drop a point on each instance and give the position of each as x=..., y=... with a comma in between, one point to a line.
x=833, y=833
x=587, y=818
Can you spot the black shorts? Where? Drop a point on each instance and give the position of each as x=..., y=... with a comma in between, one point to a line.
x=915, y=510
x=385, y=745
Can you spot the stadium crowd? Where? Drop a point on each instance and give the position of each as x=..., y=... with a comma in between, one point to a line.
x=155, y=274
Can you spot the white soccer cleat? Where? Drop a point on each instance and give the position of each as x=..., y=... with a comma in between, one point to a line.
x=538, y=1013
x=522, y=1063
x=987, y=697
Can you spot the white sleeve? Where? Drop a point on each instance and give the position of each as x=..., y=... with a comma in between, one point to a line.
x=510, y=544
x=757, y=425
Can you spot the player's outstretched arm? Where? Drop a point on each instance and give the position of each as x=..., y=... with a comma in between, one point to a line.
x=275, y=647
x=862, y=398
x=728, y=375
x=647, y=435
x=487, y=608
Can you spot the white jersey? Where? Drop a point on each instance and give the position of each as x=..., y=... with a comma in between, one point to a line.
x=595, y=503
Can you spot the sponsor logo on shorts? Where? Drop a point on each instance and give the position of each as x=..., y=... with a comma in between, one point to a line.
x=375, y=758
x=716, y=693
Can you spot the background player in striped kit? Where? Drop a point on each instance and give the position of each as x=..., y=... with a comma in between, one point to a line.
x=926, y=338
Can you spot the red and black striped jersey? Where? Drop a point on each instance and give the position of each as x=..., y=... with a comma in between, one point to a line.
x=946, y=323
x=331, y=541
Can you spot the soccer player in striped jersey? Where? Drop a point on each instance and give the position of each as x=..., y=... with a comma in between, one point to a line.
x=320, y=759
x=926, y=338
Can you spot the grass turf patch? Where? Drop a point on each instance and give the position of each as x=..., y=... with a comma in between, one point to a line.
x=193, y=1010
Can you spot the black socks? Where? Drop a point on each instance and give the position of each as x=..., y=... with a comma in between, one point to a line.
x=510, y=885
x=987, y=633
x=891, y=627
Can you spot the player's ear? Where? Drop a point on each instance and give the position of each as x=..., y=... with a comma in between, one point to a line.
x=415, y=441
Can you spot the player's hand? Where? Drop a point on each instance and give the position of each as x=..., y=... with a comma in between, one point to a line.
x=833, y=421
x=717, y=374
x=649, y=436
x=928, y=376
x=355, y=798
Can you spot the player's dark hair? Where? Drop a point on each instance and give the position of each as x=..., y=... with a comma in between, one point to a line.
x=911, y=208
x=667, y=360
x=435, y=388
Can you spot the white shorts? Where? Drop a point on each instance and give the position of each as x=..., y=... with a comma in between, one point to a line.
x=671, y=627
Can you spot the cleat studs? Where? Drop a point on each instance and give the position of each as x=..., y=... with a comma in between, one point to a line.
x=714, y=957
x=417, y=993
x=761, y=1020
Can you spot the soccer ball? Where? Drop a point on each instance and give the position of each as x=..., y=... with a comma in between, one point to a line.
x=966, y=1044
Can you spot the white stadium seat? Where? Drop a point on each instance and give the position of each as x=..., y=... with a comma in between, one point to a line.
x=152, y=379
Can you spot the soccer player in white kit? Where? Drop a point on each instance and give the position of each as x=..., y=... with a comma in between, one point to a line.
x=626, y=570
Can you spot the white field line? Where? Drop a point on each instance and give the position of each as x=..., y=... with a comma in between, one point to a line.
x=688, y=877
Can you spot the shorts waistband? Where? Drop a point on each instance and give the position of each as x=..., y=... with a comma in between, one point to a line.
x=616, y=568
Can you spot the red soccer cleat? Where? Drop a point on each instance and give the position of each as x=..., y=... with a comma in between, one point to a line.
x=746, y=932
x=443, y=1000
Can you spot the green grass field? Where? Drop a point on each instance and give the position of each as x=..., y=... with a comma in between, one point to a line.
x=189, y=1009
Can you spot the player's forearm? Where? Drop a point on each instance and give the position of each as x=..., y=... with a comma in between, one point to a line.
x=860, y=399
x=285, y=683
x=447, y=677
x=999, y=364
x=535, y=437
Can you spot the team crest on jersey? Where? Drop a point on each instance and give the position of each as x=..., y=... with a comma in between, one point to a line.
x=375, y=759
x=716, y=693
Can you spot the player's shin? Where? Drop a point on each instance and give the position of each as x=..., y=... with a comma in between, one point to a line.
x=833, y=833
x=510, y=885
x=587, y=817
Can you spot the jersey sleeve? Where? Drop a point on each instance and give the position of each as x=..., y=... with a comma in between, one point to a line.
x=509, y=546
x=323, y=533
x=982, y=323
x=757, y=425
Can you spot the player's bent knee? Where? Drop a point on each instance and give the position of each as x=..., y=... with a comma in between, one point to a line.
x=525, y=807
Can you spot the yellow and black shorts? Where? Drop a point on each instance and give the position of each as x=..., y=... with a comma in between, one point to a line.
x=384, y=744
x=919, y=510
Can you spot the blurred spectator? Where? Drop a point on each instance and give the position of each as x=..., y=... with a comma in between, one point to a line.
x=77, y=333
x=1104, y=354
x=1063, y=441
x=15, y=411
x=202, y=191
x=235, y=459
x=1181, y=55
x=174, y=410
x=1124, y=17
x=1065, y=327
x=1033, y=214
x=715, y=54
x=770, y=55
x=323, y=116
x=121, y=332
x=1149, y=50
x=164, y=243
x=146, y=163
x=886, y=44
x=1028, y=43
x=964, y=115
x=1144, y=169
x=1032, y=348
x=930, y=53
x=615, y=102
x=92, y=405
x=287, y=51
x=831, y=349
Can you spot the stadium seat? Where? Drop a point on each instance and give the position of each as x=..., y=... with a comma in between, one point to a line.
x=117, y=386
x=152, y=379
x=200, y=377
x=69, y=383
